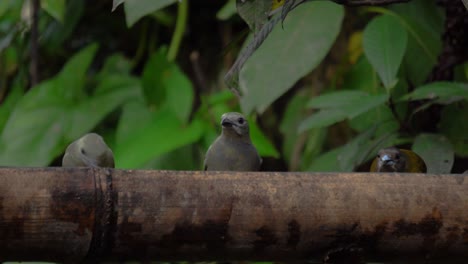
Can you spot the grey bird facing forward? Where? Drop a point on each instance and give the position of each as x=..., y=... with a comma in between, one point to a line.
x=88, y=151
x=233, y=150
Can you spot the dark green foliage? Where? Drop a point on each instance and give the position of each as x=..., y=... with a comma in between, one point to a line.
x=323, y=91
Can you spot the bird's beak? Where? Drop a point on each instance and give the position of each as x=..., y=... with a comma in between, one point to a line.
x=226, y=122
x=386, y=160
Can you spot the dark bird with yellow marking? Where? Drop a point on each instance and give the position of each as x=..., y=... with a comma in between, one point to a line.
x=88, y=151
x=398, y=160
x=233, y=150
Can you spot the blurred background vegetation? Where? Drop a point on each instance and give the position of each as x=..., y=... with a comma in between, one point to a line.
x=327, y=88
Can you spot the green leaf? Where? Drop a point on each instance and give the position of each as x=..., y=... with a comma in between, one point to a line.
x=316, y=140
x=33, y=135
x=337, y=106
x=380, y=114
x=227, y=11
x=9, y=103
x=254, y=12
x=184, y=158
x=136, y=9
x=384, y=43
x=70, y=81
x=292, y=117
x=279, y=62
x=336, y=99
x=362, y=77
x=439, y=90
x=57, y=111
x=110, y=94
x=322, y=118
x=115, y=64
x=165, y=85
x=55, y=8
x=453, y=124
x=365, y=104
x=436, y=151
x=135, y=116
x=353, y=103
x=162, y=134
x=264, y=146
x=424, y=22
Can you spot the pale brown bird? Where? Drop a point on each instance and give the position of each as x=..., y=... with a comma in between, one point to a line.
x=398, y=160
x=88, y=151
x=233, y=150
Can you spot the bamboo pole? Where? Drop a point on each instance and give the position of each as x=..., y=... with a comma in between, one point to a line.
x=67, y=215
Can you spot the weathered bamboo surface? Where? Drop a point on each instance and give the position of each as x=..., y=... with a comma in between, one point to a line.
x=67, y=215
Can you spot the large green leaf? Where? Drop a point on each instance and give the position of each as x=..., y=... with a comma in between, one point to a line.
x=111, y=93
x=384, y=43
x=337, y=106
x=381, y=113
x=322, y=118
x=362, y=77
x=436, y=151
x=136, y=9
x=165, y=85
x=9, y=103
x=34, y=132
x=454, y=125
x=135, y=116
x=424, y=22
x=163, y=133
x=290, y=53
x=58, y=111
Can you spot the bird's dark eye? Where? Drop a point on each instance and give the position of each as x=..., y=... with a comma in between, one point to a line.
x=83, y=151
x=240, y=120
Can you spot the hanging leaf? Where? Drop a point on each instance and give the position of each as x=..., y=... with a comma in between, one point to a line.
x=165, y=85
x=424, y=21
x=338, y=106
x=140, y=145
x=384, y=43
x=280, y=62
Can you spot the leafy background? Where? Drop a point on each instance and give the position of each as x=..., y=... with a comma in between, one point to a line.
x=325, y=90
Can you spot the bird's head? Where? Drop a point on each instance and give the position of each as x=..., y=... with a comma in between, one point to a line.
x=235, y=122
x=92, y=147
x=391, y=160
